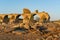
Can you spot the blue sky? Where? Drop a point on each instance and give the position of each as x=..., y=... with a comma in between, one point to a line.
x=16, y=6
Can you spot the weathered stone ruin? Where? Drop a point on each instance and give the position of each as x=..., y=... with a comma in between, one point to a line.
x=27, y=28
x=28, y=18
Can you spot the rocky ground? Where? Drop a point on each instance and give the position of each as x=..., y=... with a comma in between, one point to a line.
x=48, y=31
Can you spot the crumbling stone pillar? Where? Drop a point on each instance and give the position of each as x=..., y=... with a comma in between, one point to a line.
x=17, y=19
x=2, y=17
x=44, y=17
x=12, y=17
x=27, y=17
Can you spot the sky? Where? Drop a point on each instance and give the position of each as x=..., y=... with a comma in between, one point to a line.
x=16, y=6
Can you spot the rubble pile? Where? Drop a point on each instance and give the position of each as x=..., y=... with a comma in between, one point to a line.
x=46, y=31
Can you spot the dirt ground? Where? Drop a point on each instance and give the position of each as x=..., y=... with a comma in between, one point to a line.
x=49, y=34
